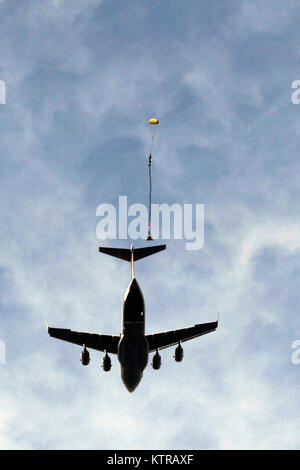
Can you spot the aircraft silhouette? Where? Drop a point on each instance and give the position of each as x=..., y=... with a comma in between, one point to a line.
x=132, y=346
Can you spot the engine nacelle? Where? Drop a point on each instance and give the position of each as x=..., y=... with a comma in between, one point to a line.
x=106, y=363
x=85, y=357
x=178, y=356
x=156, y=361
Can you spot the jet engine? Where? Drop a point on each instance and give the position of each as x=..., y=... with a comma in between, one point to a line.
x=178, y=356
x=156, y=361
x=106, y=363
x=85, y=357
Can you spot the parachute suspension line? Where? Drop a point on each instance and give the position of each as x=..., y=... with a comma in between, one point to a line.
x=152, y=141
x=149, y=238
x=153, y=122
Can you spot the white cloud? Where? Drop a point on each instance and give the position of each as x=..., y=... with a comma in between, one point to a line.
x=232, y=389
x=257, y=17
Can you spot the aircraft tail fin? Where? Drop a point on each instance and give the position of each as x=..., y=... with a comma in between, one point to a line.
x=138, y=253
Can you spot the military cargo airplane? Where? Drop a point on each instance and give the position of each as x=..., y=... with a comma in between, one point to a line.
x=132, y=346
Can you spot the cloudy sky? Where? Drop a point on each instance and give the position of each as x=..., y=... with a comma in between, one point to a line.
x=82, y=79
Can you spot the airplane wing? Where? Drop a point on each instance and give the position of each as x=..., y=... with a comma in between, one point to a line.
x=103, y=343
x=170, y=338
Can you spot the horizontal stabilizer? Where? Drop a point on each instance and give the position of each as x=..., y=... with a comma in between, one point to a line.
x=139, y=253
x=122, y=253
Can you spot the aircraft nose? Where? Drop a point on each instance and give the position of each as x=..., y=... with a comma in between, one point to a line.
x=131, y=386
x=130, y=380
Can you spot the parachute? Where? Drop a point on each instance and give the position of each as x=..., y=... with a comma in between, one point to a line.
x=153, y=122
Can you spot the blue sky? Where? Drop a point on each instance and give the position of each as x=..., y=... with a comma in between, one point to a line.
x=82, y=79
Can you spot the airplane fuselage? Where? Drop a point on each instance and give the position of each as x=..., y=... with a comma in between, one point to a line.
x=133, y=348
